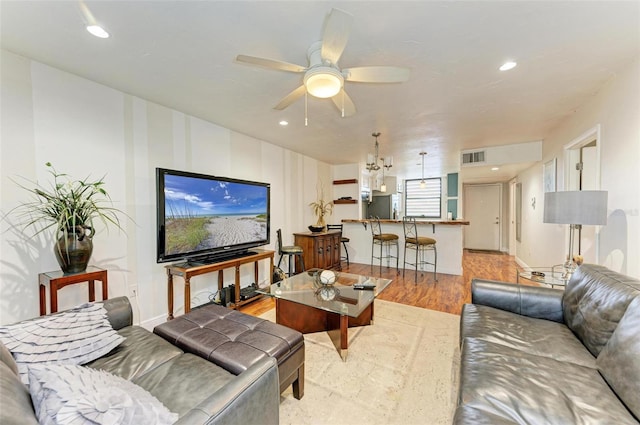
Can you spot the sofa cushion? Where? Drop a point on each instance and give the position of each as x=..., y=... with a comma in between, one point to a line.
x=595, y=300
x=141, y=352
x=15, y=403
x=184, y=382
x=75, y=336
x=619, y=361
x=70, y=394
x=534, y=336
x=499, y=384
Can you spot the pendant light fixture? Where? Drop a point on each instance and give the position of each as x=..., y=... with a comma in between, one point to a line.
x=423, y=184
x=372, y=160
x=386, y=164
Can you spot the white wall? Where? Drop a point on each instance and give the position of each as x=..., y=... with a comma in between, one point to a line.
x=616, y=108
x=85, y=128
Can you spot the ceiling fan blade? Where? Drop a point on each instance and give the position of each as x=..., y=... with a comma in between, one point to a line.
x=376, y=74
x=291, y=97
x=335, y=34
x=271, y=63
x=344, y=103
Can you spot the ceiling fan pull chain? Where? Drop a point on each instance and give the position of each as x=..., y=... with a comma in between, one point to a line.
x=343, y=103
x=306, y=121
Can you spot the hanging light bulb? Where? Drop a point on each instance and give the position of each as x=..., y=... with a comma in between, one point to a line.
x=383, y=186
x=423, y=184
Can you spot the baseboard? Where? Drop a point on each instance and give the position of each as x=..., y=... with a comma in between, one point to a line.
x=149, y=324
x=522, y=263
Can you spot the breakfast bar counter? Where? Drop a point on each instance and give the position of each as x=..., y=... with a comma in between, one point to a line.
x=447, y=233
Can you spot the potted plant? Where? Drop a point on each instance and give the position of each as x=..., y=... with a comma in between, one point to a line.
x=70, y=206
x=320, y=209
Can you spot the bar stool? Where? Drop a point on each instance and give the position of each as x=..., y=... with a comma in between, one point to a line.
x=421, y=244
x=290, y=250
x=387, y=240
x=343, y=239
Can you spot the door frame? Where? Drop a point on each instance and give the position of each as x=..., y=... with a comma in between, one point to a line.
x=512, y=216
x=576, y=144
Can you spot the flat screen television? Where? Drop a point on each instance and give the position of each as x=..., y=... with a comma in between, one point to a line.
x=204, y=218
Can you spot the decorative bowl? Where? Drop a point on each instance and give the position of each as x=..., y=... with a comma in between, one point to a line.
x=316, y=229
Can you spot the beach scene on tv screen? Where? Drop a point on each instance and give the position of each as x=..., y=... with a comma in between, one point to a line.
x=202, y=214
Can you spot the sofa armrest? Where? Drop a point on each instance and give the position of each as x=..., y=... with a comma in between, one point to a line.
x=252, y=397
x=532, y=301
x=119, y=312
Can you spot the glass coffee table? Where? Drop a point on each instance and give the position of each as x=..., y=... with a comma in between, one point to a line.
x=553, y=276
x=306, y=304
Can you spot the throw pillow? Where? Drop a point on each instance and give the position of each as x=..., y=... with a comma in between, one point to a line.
x=75, y=336
x=69, y=394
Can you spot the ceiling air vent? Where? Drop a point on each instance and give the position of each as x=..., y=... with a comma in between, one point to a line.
x=473, y=157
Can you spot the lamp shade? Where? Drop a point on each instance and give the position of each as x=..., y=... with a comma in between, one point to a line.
x=576, y=207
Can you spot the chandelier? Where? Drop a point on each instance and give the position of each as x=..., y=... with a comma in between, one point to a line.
x=372, y=159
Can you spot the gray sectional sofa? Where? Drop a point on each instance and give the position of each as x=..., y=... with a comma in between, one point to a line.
x=199, y=391
x=544, y=356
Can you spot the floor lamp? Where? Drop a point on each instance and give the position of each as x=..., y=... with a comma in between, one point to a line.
x=576, y=208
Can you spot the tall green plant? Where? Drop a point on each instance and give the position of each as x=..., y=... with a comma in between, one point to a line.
x=71, y=206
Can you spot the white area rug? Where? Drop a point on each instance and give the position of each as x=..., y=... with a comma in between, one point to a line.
x=401, y=370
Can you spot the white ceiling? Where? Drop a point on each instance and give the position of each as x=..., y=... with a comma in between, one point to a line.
x=181, y=54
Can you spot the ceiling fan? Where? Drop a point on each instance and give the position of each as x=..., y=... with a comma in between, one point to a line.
x=322, y=77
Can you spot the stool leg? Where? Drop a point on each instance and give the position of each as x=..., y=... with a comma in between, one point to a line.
x=346, y=252
x=397, y=257
x=435, y=262
x=280, y=260
x=294, y=259
x=415, y=278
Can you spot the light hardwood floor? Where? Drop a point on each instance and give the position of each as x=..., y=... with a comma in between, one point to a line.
x=448, y=294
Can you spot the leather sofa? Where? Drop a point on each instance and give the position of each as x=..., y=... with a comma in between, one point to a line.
x=545, y=356
x=198, y=390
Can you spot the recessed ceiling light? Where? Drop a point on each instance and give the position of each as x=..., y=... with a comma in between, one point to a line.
x=507, y=66
x=284, y=123
x=98, y=31
x=494, y=168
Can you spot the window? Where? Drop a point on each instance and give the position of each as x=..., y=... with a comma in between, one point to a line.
x=423, y=202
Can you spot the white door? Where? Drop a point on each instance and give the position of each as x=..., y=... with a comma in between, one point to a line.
x=482, y=206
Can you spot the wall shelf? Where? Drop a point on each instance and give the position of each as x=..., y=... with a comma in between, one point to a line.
x=345, y=201
x=348, y=181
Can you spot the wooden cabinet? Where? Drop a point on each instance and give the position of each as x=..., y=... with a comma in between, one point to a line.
x=321, y=250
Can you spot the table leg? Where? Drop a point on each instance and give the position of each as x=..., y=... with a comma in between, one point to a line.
x=43, y=300
x=92, y=291
x=53, y=295
x=340, y=336
x=236, y=292
x=105, y=287
x=187, y=295
x=170, y=295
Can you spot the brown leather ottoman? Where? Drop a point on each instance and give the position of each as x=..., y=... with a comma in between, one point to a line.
x=234, y=341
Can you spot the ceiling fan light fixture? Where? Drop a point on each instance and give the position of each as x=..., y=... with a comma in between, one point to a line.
x=323, y=82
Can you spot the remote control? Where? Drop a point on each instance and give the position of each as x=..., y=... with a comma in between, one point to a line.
x=365, y=286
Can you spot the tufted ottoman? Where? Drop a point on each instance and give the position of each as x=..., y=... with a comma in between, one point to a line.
x=234, y=341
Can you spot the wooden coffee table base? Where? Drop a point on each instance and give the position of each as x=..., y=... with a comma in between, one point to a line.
x=307, y=319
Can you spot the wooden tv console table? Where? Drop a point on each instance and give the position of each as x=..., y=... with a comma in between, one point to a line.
x=187, y=271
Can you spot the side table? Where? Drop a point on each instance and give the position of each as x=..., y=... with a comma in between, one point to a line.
x=58, y=280
x=552, y=276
